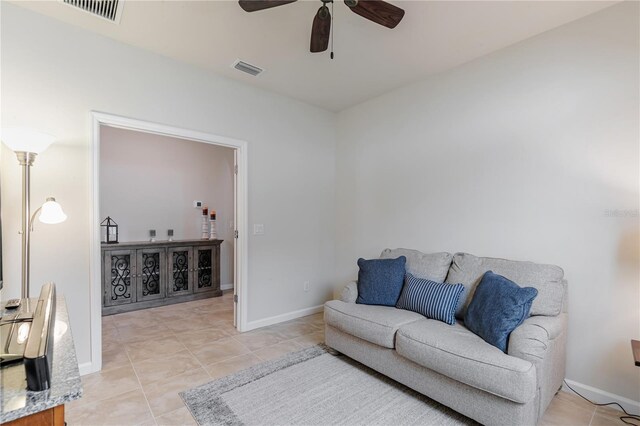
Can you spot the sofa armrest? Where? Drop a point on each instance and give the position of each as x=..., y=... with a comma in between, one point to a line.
x=531, y=340
x=349, y=292
x=542, y=341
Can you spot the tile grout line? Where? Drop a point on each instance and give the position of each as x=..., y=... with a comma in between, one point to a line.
x=593, y=415
x=186, y=348
x=174, y=334
x=196, y=358
x=206, y=371
x=113, y=325
x=141, y=387
x=269, y=346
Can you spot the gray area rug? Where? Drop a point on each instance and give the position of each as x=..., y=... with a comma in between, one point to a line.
x=313, y=387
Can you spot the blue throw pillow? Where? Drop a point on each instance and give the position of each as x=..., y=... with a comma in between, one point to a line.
x=431, y=299
x=380, y=281
x=498, y=306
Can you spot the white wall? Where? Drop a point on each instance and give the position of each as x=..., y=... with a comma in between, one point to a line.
x=516, y=155
x=150, y=181
x=53, y=75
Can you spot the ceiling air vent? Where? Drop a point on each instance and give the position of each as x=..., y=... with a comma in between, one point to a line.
x=248, y=68
x=106, y=9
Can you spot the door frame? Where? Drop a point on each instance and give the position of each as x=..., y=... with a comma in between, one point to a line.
x=241, y=217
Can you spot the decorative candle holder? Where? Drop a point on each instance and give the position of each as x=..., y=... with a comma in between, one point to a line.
x=170, y=234
x=152, y=235
x=212, y=226
x=205, y=224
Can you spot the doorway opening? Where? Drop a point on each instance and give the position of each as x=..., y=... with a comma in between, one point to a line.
x=149, y=185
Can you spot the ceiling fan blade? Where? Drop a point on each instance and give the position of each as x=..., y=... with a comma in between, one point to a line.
x=378, y=11
x=254, y=5
x=321, y=30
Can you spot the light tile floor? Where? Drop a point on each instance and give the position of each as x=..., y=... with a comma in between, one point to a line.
x=151, y=355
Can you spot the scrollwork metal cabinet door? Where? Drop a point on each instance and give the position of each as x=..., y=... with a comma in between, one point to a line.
x=150, y=278
x=119, y=277
x=180, y=271
x=207, y=267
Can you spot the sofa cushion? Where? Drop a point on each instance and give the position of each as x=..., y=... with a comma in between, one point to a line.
x=499, y=306
x=380, y=281
x=375, y=324
x=459, y=354
x=432, y=266
x=429, y=298
x=468, y=270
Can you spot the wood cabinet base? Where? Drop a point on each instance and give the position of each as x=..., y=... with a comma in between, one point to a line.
x=51, y=417
x=112, y=310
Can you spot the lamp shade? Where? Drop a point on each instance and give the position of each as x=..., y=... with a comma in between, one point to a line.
x=51, y=212
x=21, y=139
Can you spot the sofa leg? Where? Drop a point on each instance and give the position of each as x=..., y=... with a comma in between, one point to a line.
x=333, y=351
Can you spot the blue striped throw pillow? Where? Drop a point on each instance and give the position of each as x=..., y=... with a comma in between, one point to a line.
x=431, y=299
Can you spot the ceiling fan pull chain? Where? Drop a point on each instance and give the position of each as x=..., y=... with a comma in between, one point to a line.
x=332, y=30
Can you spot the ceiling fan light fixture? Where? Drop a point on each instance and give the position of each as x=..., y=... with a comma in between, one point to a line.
x=323, y=12
x=351, y=3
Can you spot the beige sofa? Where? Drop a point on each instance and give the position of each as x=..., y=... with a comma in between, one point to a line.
x=450, y=364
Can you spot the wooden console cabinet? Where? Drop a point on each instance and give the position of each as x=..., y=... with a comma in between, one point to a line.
x=141, y=275
x=50, y=417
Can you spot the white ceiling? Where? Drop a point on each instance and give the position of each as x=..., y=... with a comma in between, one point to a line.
x=370, y=59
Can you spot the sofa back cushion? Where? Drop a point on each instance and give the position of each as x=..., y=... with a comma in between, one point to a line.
x=468, y=270
x=380, y=281
x=432, y=266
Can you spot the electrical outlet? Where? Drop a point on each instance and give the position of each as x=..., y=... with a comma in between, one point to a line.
x=197, y=204
x=258, y=229
x=306, y=286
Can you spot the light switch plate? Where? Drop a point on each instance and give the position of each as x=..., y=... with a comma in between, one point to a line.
x=258, y=229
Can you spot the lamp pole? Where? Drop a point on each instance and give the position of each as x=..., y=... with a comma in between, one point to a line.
x=27, y=144
x=26, y=160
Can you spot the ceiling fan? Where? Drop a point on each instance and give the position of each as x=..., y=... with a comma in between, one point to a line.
x=377, y=11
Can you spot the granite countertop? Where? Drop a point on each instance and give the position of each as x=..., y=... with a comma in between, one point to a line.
x=17, y=401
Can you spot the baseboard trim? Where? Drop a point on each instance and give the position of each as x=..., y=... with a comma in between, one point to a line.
x=600, y=396
x=86, y=368
x=252, y=325
x=226, y=286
